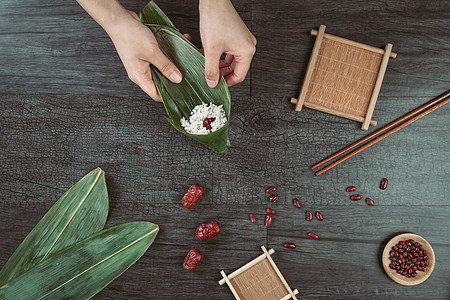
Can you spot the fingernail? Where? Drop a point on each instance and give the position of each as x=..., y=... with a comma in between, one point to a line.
x=211, y=83
x=176, y=77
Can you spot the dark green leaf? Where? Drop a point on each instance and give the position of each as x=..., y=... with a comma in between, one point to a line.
x=80, y=212
x=179, y=99
x=83, y=269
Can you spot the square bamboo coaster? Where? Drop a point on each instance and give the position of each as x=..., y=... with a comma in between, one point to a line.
x=259, y=279
x=343, y=78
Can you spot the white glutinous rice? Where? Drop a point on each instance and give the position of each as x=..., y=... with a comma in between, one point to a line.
x=198, y=115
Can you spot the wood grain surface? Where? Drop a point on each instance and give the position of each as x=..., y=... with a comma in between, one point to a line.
x=68, y=107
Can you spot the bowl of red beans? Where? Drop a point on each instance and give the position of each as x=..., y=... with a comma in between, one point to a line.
x=408, y=259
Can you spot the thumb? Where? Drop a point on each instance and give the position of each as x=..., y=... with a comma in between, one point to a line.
x=169, y=70
x=212, y=59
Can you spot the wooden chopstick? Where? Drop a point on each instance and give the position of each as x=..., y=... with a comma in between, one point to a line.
x=385, y=131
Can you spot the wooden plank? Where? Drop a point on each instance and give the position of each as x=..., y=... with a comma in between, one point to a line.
x=230, y=285
x=310, y=69
x=377, y=87
x=333, y=111
x=353, y=43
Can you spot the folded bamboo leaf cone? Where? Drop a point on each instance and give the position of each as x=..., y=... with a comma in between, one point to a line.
x=181, y=98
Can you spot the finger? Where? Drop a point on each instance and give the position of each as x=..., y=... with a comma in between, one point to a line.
x=169, y=70
x=187, y=35
x=241, y=67
x=145, y=81
x=134, y=15
x=227, y=70
x=212, y=59
x=227, y=61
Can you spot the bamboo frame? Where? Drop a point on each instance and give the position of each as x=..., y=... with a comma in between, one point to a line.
x=348, y=81
x=247, y=270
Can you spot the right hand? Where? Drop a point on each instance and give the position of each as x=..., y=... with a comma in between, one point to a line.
x=138, y=48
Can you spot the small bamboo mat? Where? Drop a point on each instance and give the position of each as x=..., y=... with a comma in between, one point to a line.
x=343, y=78
x=259, y=279
x=259, y=282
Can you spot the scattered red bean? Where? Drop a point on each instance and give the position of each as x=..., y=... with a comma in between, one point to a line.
x=270, y=211
x=309, y=216
x=207, y=123
x=350, y=189
x=319, y=216
x=193, y=259
x=208, y=230
x=252, y=218
x=383, y=183
x=297, y=203
x=273, y=198
x=271, y=189
x=313, y=235
x=356, y=197
x=269, y=219
x=289, y=245
x=370, y=202
x=407, y=257
x=193, y=195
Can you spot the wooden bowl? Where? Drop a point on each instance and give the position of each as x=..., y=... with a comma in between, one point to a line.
x=422, y=276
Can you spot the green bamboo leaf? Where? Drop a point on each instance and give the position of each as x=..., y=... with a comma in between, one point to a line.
x=85, y=268
x=80, y=212
x=179, y=99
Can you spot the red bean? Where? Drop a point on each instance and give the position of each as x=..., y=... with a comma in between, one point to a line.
x=410, y=259
x=370, y=202
x=297, y=203
x=350, y=189
x=319, y=216
x=271, y=189
x=273, y=198
x=269, y=219
x=356, y=197
x=309, y=216
x=313, y=235
x=383, y=183
x=270, y=211
x=289, y=245
x=252, y=218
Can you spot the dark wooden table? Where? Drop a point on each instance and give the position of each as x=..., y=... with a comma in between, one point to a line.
x=67, y=107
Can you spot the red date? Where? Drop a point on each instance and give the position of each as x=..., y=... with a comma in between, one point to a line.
x=350, y=189
x=356, y=197
x=271, y=189
x=273, y=198
x=208, y=230
x=269, y=219
x=309, y=216
x=193, y=195
x=252, y=218
x=297, y=203
x=289, y=245
x=193, y=259
x=207, y=123
x=319, y=216
x=370, y=202
x=383, y=183
x=313, y=235
x=270, y=211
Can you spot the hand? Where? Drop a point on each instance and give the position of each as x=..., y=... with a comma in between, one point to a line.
x=137, y=48
x=223, y=31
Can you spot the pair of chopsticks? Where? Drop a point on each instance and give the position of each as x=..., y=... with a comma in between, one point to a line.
x=384, y=132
